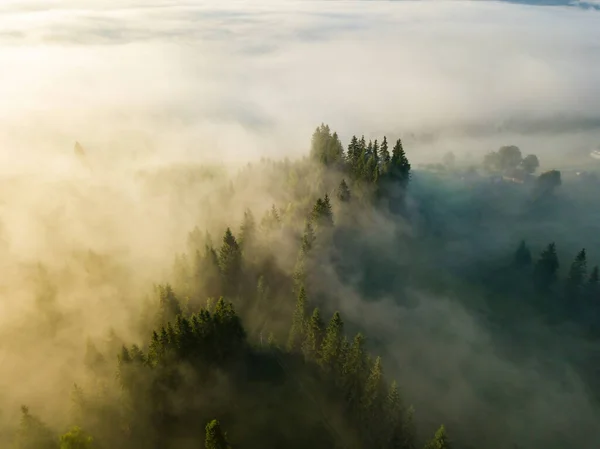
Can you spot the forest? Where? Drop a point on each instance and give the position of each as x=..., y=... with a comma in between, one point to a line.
x=362, y=303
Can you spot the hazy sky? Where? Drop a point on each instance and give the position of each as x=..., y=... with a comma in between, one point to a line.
x=239, y=79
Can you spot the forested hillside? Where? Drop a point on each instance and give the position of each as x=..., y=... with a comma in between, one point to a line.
x=274, y=326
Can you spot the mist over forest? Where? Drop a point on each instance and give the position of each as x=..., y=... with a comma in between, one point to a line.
x=299, y=224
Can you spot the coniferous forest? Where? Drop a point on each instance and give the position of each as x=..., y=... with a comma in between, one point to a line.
x=302, y=321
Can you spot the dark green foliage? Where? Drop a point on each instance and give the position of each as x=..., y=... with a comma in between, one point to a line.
x=331, y=349
x=206, y=277
x=577, y=275
x=326, y=147
x=374, y=388
x=198, y=361
x=384, y=158
x=440, y=440
x=523, y=255
x=355, y=371
x=297, y=330
x=354, y=152
x=546, y=268
x=308, y=237
x=169, y=306
x=313, y=338
x=230, y=262
x=530, y=163
x=321, y=213
x=399, y=165
x=271, y=221
x=547, y=182
x=343, y=191
x=215, y=437
x=33, y=433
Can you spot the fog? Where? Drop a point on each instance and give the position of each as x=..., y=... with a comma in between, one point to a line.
x=245, y=79
x=148, y=88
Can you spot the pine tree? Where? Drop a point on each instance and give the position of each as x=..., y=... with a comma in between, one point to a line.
x=546, y=268
x=522, y=255
x=577, y=275
x=215, y=437
x=331, y=348
x=230, y=262
x=298, y=322
x=440, y=440
x=313, y=340
x=343, y=192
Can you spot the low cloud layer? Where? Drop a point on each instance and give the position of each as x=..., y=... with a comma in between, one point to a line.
x=243, y=79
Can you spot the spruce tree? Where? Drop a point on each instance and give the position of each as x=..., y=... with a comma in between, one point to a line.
x=327, y=208
x=298, y=322
x=321, y=213
x=331, y=349
x=343, y=192
x=308, y=237
x=230, y=262
x=577, y=274
x=208, y=273
x=374, y=388
x=522, y=255
x=400, y=432
x=546, y=268
x=313, y=339
x=355, y=371
x=215, y=437
x=440, y=440
x=384, y=156
x=247, y=231
x=400, y=167
x=169, y=306
x=335, y=150
x=353, y=153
